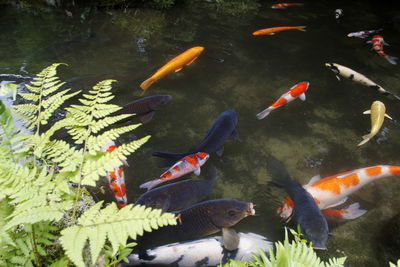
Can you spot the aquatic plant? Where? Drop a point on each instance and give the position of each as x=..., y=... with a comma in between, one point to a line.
x=47, y=215
x=394, y=264
x=289, y=253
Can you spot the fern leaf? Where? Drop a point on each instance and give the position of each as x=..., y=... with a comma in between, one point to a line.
x=98, y=224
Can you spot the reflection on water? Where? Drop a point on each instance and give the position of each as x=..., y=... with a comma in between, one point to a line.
x=242, y=72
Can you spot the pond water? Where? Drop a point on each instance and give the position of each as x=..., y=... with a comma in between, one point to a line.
x=245, y=73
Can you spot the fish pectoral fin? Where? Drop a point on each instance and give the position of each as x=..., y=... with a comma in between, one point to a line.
x=369, y=42
x=191, y=61
x=314, y=179
x=384, y=43
x=124, y=162
x=220, y=151
x=340, y=202
x=235, y=133
x=147, y=117
x=178, y=69
x=367, y=112
x=302, y=97
x=230, y=239
x=337, y=77
x=197, y=171
x=387, y=116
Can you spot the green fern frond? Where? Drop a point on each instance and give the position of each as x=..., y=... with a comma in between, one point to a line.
x=116, y=225
x=97, y=165
x=295, y=253
x=394, y=264
x=40, y=90
x=95, y=143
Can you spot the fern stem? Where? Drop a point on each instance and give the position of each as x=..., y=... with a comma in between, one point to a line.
x=34, y=245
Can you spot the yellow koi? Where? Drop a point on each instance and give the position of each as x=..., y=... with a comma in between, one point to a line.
x=175, y=64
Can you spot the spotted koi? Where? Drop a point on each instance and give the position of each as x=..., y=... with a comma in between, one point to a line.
x=377, y=44
x=188, y=164
x=297, y=91
x=333, y=190
x=116, y=179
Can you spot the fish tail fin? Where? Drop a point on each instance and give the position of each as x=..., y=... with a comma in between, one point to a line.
x=278, y=172
x=151, y=184
x=168, y=158
x=391, y=59
x=263, y=113
x=365, y=139
x=147, y=83
x=353, y=211
x=302, y=28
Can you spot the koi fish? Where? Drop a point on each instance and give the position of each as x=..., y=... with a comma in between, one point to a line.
x=338, y=13
x=357, y=77
x=378, y=115
x=334, y=190
x=188, y=164
x=223, y=127
x=377, y=44
x=297, y=91
x=273, y=30
x=179, y=195
x=285, y=5
x=363, y=34
x=144, y=107
x=116, y=179
x=202, y=252
x=200, y=220
x=306, y=213
x=175, y=64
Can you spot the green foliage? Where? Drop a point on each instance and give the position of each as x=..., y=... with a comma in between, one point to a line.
x=113, y=224
x=394, y=264
x=294, y=253
x=44, y=220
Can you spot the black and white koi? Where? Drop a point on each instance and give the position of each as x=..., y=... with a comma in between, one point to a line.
x=357, y=77
x=363, y=34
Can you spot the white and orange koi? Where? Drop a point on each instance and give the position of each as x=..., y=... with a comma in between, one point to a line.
x=333, y=190
x=377, y=44
x=285, y=5
x=116, y=179
x=297, y=91
x=188, y=164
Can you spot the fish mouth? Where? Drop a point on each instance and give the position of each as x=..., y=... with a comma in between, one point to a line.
x=250, y=209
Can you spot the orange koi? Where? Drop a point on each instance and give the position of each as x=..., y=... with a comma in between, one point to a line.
x=176, y=64
x=285, y=5
x=297, y=91
x=333, y=190
x=116, y=179
x=190, y=163
x=273, y=30
x=377, y=43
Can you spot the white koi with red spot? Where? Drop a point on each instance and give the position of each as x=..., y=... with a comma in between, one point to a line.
x=116, y=179
x=333, y=190
x=297, y=91
x=377, y=44
x=188, y=164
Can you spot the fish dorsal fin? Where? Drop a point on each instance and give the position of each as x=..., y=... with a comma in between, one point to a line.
x=314, y=179
x=197, y=171
x=387, y=116
x=367, y=112
x=147, y=117
x=178, y=69
x=230, y=239
x=302, y=97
